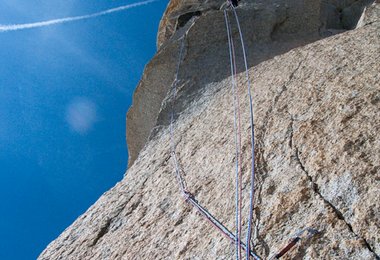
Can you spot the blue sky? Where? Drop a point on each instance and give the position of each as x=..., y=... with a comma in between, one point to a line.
x=64, y=93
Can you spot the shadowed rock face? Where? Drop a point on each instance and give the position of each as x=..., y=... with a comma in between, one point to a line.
x=317, y=119
x=270, y=28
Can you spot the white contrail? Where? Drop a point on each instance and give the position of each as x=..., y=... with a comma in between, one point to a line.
x=15, y=27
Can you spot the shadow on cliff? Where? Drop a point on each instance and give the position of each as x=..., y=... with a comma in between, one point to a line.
x=270, y=28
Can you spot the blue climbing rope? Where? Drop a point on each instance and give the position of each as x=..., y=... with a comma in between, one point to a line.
x=237, y=138
x=252, y=191
x=182, y=184
x=181, y=181
x=189, y=198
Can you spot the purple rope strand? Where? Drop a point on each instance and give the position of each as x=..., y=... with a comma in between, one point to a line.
x=188, y=196
x=173, y=145
x=252, y=191
x=229, y=36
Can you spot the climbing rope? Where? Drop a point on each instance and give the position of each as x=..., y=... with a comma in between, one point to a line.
x=298, y=237
x=252, y=191
x=189, y=198
x=237, y=136
x=182, y=184
x=181, y=181
x=233, y=72
x=218, y=225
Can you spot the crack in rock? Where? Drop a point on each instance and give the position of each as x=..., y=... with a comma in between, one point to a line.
x=261, y=167
x=277, y=97
x=261, y=164
x=103, y=230
x=337, y=212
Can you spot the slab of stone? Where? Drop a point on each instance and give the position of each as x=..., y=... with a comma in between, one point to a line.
x=317, y=119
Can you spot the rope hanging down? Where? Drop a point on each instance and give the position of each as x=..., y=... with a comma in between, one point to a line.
x=252, y=191
x=189, y=198
x=234, y=85
x=237, y=134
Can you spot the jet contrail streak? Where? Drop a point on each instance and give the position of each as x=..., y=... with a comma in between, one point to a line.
x=15, y=27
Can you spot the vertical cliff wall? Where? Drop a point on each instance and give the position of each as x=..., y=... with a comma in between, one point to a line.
x=270, y=28
x=315, y=68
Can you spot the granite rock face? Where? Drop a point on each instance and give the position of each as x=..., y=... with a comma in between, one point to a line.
x=317, y=119
x=271, y=27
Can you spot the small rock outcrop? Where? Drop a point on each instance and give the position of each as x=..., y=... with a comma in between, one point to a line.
x=316, y=95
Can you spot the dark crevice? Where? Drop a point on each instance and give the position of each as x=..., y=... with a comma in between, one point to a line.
x=372, y=22
x=277, y=27
x=294, y=72
x=291, y=132
x=134, y=207
x=184, y=248
x=337, y=212
x=340, y=16
x=277, y=97
x=179, y=221
x=184, y=18
x=103, y=230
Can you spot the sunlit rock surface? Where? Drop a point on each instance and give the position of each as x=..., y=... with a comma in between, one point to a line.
x=270, y=28
x=317, y=119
